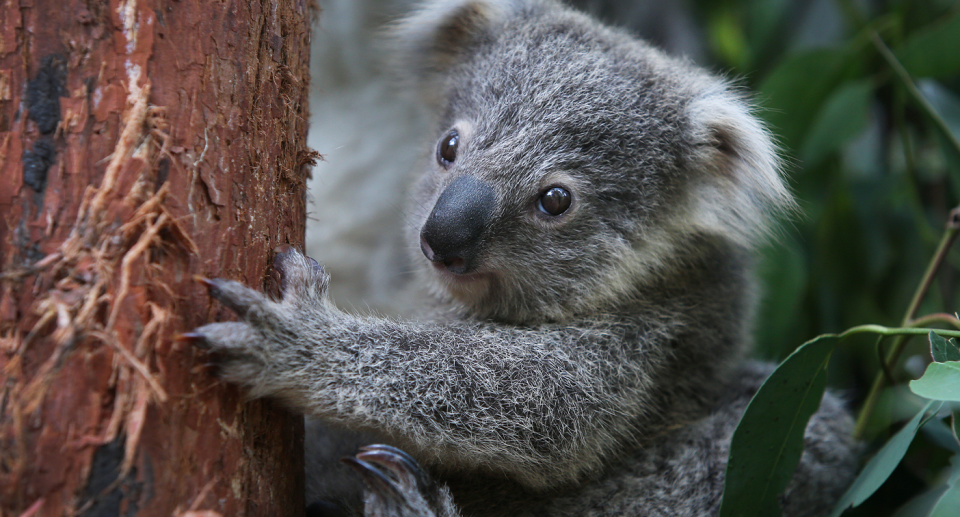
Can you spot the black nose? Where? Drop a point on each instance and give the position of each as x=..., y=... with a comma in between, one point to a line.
x=451, y=235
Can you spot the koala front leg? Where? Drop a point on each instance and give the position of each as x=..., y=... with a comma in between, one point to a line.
x=543, y=405
x=265, y=351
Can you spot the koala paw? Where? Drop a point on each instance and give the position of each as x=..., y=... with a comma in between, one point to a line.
x=244, y=351
x=396, y=486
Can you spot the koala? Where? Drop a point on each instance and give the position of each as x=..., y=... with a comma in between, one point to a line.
x=584, y=227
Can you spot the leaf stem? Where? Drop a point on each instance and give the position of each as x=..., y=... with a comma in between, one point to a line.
x=882, y=359
x=939, y=317
x=895, y=331
x=869, y=404
x=949, y=236
x=904, y=77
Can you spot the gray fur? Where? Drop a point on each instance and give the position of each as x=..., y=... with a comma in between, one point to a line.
x=592, y=363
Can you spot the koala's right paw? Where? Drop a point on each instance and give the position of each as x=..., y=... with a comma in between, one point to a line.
x=396, y=486
x=247, y=351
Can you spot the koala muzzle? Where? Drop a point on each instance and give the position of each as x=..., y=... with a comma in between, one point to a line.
x=451, y=236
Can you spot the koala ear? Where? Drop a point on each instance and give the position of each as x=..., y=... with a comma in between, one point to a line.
x=742, y=189
x=441, y=33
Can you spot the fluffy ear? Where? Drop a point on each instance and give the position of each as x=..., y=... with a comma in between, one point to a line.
x=742, y=189
x=441, y=33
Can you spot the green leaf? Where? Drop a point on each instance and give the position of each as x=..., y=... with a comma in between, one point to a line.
x=764, y=23
x=947, y=105
x=955, y=425
x=844, y=115
x=941, y=381
x=931, y=52
x=795, y=89
x=768, y=441
x=896, y=404
x=726, y=37
x=937, y=432
x=948, y=504
x=943, y=350
x=882, y=464
x=944, y=101
x=922, y=505
x=954, y=470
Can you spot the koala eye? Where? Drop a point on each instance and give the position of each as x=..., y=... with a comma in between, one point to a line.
x=447, y=148
x=554, y=201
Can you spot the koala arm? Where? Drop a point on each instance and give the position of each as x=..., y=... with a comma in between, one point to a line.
x=544, y=403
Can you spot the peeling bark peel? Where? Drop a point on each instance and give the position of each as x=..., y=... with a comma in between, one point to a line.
x=142, y=142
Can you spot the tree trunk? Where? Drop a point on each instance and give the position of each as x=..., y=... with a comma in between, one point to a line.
x=142, y=142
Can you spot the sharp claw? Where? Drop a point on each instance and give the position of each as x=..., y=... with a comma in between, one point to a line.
x=210, y=368
x=231, y=294
x=397, y=462
x=394, y=465
x=318, y=270
x=213, y=287
x=205, y=281
x=280, y=253
x=283, y=261
x=389, y=448
x=194, y=338
x=372, y=476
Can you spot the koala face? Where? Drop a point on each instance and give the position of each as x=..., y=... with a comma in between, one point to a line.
x=572, y=164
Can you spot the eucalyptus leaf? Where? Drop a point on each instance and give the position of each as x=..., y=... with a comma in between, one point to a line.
x=954, y=470
x=943, y=350
x=955, y=424
x=939, y=433
x=765, y=20
x=947, y=105
x=795, y=89
x=923, y=504
x=726, y=36
x=844, y=115
x=949, y=503
x=768, y=442
x=931, y=52
x=882, y=464
x=941, y=381
x=944, y=100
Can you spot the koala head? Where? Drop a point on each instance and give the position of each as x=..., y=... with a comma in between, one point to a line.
x=571, y=164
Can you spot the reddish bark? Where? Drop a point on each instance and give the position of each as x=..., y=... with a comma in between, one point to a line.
x=142, y=142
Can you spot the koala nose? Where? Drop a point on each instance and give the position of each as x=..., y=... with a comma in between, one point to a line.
x=451, y=235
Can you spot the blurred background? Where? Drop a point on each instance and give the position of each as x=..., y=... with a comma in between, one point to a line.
x=876, y=175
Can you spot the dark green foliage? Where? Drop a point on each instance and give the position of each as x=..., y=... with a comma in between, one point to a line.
x=926, y=53
x=875, y=164
x=882, y=464
x=943, y=350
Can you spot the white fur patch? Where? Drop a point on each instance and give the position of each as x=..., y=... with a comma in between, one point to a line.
x=743, y=190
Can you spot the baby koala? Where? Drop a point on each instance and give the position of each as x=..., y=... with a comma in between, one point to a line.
x=585, y=228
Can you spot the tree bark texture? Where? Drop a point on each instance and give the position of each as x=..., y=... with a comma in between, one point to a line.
x=142, y=142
